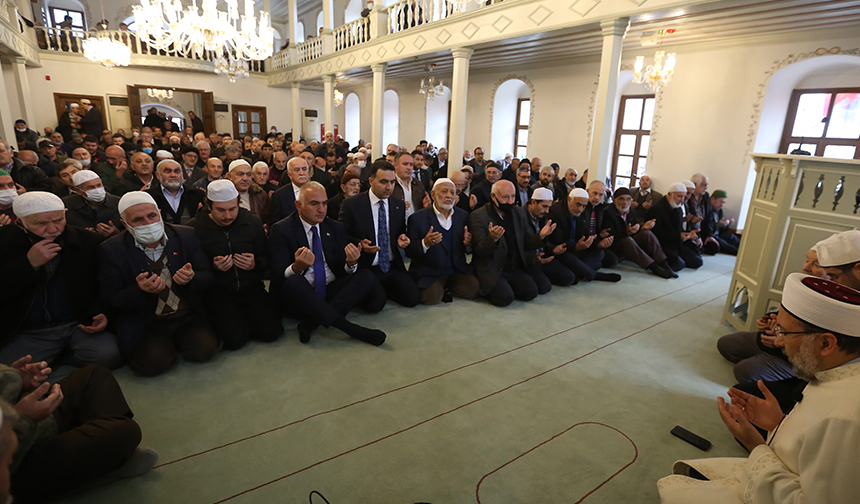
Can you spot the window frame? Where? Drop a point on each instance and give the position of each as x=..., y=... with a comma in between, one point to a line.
x=63, y=9
x=634, y=177
x=518, y=128
x=820, y=142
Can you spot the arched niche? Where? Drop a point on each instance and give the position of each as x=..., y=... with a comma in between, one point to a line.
x=774, y=95
x=352, y=11
x=503, y=113
x=352, y=119
x=436, y=126
x=390, y=120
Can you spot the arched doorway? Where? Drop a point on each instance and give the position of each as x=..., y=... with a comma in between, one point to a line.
x=390, y=120
x=352, y=119
x=511, y=115
x=436, y=126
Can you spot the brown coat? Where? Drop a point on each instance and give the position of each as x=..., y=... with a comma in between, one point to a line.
x=418, y=193
x=259, y=202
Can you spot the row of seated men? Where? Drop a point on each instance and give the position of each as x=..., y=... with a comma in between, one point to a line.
x=796, y=407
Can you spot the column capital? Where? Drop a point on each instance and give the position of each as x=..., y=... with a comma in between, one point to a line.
x=615, y=27
x=18, y=60
x=462, y=52
x=296, y=85
x=330, y=78
x=379, y=67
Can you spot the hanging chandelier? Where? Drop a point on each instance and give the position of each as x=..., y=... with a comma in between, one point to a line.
x=660, y=73
x=110, y=53
x=196, y=30
x=431, y=88
x=338, y=98
x=232, y=67
x=160, y=94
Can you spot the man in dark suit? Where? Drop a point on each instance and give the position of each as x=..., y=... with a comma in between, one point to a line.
x=566, y=183
x=28, y=175
x=644, y=196
x=461, y=183
x=481, y=190
x=537, y=211
x=153, y=120
x=632, y=240
x=377, y=223
x=283, y=202
x=350, y=186
x=438, y=241
x=419, y=171
x=196, y=123
x=92, y=123
x=408, y=188
x=178, y=201
x=524, y=186
x=583, y=249
x=501, y=243
x=315, y=274
x=153, y=275
x=677, y=243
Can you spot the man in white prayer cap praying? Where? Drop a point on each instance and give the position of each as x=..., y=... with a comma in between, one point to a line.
x=50, y=305
x=810, y=455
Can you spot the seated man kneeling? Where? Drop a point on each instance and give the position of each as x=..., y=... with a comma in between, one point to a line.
x=153, y=275
x=315, y=276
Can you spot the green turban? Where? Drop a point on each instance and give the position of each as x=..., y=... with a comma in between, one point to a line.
x=719, y=193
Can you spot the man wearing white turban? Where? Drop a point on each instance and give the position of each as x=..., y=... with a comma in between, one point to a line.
x=810, y=454
x=51, y=307
x=677, y=243
x=153, y=275
x=91, y=207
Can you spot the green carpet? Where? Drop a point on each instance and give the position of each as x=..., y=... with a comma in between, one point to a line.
x=567, y=398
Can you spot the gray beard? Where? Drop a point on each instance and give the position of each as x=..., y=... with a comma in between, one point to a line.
x=172, y=186
x=804, y=363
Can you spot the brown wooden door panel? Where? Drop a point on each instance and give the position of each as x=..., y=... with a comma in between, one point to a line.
x=63, y=100
x=249, y=121
x=134, y=106
x=208, y=104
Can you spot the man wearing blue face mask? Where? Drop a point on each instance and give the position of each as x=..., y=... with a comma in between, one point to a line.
x=154, y=275
x=54, y=313
x=92, y=208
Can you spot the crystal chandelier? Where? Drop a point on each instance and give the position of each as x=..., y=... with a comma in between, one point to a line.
x=164, y=23
x=232, y=67
x=431, y=88
x=109, y=53
x=660, y=73
x=160, y=94
x=338, y=98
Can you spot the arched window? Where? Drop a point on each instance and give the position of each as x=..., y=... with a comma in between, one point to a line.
x=300, y=33
x=352, y=119
x=390, y=120
x=59, y=9
x=511, y=116
x=352, y=11
x=823, y=122
x=319, y=24
x=438, y=111
x=632, y=137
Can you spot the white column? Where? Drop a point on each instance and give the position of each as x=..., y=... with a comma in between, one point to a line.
x=19, y=68
x=459, y=89
x=614, y=31
x=328, y=102
x=292, y=22
x=328, y=26
x=297, y=112
x=378, y=21
x=6, y=119
x=378, y=106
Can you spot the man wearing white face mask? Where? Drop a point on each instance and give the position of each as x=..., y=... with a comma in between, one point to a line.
x=54, y=313
x=91, y=207
x=154, y=275
x=8, y=193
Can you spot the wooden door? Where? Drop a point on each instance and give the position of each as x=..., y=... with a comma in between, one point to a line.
x=63, y=100
x=249, y=121
x=208, y=105
x=134, y=106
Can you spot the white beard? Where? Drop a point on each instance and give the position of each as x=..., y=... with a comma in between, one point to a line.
x=804, y=363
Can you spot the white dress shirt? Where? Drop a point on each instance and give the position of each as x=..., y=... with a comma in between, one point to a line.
x=309, y=274
x=445, y=222
x=245, y=200
x=407, y=196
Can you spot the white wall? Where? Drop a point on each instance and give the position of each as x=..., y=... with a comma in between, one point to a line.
x=77, y=75
x=352, y=120
x=436, y=129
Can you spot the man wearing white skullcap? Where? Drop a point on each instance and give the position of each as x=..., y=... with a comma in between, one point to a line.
x=91, y=207
x=810, y=455
x=252, y=197
x=839, y=255
x=677, y=243
x=177, y=200
x=554, y=271
x=154, y=276
x=572, y=243
x=235, y=244
x=54, y=307
x=438, y=238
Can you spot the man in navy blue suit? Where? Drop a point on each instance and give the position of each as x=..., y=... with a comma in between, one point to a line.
x=438, y=238
x=284, y=199
x=315, y=275
x=377, y=224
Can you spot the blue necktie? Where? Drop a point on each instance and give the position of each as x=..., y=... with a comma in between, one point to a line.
x=382, y=239
x=572, y=230
x=319, y=263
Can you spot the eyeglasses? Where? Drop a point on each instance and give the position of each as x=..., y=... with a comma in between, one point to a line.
x=781, y=334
